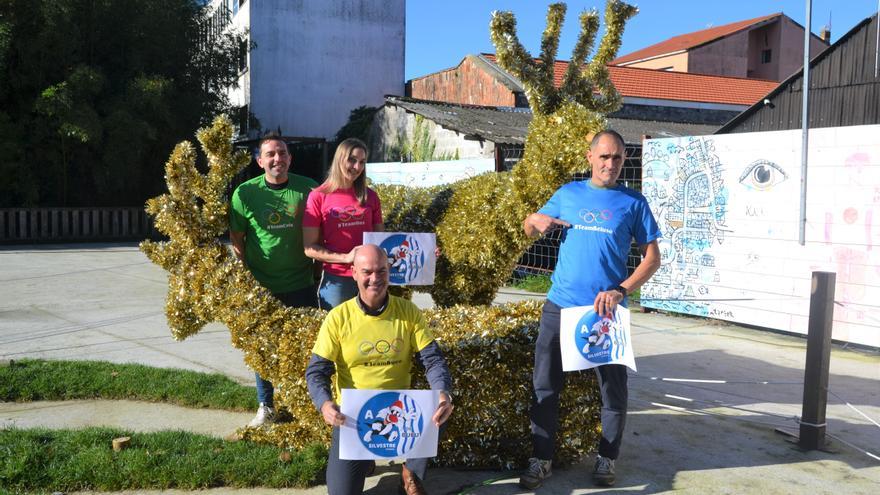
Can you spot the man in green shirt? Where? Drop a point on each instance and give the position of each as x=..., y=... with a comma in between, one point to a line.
x=265, y=226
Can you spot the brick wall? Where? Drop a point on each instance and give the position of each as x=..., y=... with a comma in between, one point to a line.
x=471, y=83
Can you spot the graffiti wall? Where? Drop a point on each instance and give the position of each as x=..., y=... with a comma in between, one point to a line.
x=729, y=209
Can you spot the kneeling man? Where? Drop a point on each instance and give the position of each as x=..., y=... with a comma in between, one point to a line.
x=373, y=316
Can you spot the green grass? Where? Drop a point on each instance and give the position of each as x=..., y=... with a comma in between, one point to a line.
x=70, y=460
x=31, y=380
x=534, y=283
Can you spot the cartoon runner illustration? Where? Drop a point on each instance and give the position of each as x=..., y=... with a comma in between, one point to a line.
x=599, y=335
x=406, y=260
x=388, y=423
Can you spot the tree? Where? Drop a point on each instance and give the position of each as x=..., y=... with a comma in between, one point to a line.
x=93, y=94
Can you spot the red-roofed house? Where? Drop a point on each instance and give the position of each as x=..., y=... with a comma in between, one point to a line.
x=769, y=47
x=647, y=94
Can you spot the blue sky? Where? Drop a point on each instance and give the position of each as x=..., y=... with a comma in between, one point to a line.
x=439, y=33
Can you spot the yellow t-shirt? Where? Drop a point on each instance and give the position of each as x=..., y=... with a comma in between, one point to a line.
x=372, y=352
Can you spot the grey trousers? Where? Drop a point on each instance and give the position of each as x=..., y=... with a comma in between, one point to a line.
x=347, y=477
x=548, y=381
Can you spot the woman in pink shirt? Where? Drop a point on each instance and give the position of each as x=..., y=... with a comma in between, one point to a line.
x=337, y=214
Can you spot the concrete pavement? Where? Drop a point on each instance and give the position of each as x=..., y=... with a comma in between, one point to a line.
x=713, y=433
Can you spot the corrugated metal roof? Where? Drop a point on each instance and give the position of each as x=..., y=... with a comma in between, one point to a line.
x=505, y=125
x=843, y=89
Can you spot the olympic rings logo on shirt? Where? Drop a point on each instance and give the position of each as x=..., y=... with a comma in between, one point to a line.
x=595, y=216
x=347, y=213
x=274, y=216
x=380, y=347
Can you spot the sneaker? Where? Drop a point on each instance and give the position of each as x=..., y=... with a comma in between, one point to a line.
x=603, y=472
x=535, y=474
x=265, y=414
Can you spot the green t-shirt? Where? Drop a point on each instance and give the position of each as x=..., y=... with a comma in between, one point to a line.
x=272, y=222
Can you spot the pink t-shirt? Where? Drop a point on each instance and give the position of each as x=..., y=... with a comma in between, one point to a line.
x=342, y=221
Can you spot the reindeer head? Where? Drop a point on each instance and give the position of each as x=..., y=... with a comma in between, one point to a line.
x=193, y=214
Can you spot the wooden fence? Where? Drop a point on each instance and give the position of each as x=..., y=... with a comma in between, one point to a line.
x=43, y=225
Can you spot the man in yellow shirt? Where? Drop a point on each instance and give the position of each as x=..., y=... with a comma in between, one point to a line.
x=369, y=341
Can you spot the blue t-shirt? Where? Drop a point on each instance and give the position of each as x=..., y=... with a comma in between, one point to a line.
x=593, y=253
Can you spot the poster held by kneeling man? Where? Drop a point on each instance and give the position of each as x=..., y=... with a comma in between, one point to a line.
x=388, y=424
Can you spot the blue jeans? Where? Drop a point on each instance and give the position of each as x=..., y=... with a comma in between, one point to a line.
x=300, y=298
x=335, y=290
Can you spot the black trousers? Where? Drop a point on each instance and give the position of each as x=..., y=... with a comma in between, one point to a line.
x=347, y=477
x=548, y=381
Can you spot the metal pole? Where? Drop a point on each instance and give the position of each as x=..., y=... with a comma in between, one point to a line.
x=812, y=434
x=805, y=126
x=877, y=41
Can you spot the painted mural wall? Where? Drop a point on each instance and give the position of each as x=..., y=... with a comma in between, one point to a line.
x=728, y=207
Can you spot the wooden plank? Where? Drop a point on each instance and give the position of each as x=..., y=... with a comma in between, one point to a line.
x=105, y=223
x=126, y=225
x=86, y=226
x=33, y=224
x=114, y=221
x=65, y=223
x=75, y=226
x=44, y=223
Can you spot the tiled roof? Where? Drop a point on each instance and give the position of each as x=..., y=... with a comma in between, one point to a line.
x=680, y=86
x=665, y=85
x=690, y=40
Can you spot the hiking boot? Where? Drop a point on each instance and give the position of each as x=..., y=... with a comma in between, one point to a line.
x=410, y=484
x=534, y=475
x=265, y=414
x=603, y=472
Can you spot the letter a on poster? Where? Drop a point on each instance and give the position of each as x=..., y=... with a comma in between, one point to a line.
x=588, y=341
x=411, y=256
x=388, y=424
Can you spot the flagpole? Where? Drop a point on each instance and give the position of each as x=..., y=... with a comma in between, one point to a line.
x=805, y=125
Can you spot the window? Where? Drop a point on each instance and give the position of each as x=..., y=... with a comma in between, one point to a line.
x=242, y=54
x=243, y=120
x=766, y=56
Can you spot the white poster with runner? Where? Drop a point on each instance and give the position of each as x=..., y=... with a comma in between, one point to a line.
x=588, y=341
x=411, y=255
x=388, y=424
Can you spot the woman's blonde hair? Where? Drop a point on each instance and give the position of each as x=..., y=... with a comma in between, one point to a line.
x=335, y=178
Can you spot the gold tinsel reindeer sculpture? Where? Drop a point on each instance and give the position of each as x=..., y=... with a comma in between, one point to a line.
x=489, y=348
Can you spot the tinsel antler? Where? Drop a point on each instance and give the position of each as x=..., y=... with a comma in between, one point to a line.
x=579, y=83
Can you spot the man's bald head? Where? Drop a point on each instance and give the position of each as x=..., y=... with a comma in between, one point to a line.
x=370, y=271
x=369, y=253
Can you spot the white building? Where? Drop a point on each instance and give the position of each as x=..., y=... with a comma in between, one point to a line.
x=316, y=60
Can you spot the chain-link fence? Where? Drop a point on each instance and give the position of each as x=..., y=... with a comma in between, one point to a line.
x=540, y=258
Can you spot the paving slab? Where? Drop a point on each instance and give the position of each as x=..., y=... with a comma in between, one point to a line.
x=705, y=405
x=136, y=416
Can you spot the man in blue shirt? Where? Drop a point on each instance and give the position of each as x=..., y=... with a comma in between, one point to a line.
x=600, y=220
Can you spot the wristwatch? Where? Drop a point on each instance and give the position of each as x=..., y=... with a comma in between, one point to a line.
x=621, y=289
x=448, y=394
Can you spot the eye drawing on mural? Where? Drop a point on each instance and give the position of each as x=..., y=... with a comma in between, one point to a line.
x=762, y=175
